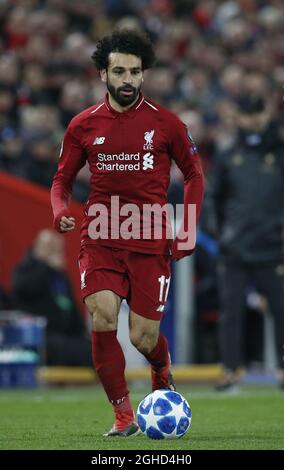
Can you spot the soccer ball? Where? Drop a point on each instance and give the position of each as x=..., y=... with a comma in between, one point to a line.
x=164, y=414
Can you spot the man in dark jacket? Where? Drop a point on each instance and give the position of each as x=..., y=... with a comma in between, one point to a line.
x=248, y=197
x=41, y=287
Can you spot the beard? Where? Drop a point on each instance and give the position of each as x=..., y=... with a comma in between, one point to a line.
x=120, y=98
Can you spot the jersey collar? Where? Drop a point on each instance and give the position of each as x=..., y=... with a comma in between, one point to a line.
x=130, y=112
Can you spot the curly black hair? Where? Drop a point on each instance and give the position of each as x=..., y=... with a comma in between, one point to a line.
x=127, y=42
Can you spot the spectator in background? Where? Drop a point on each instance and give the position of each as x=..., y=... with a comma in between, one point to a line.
x=5, y=302
x=11, y=152
x=41, y=287
x=206, y=299
x=39, y=165
x=248, y=195
x=205, y=51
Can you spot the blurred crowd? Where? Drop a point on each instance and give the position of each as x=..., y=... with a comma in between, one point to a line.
x=209, y=53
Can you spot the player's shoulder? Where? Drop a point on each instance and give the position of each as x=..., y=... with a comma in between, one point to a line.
x=84, y=115
x=164, y=113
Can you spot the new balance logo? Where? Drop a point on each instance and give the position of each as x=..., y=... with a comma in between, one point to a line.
x=148, y=161
x=161, y=308
x=99, y=140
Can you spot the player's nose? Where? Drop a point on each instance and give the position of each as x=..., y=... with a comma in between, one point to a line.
x=127, y=79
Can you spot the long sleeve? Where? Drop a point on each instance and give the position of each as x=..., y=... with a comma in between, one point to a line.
x=72, y=159
x=184, y=152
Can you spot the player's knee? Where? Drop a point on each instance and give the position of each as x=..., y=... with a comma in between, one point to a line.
x=143, y=341
x=103, y=319
x=103, y=307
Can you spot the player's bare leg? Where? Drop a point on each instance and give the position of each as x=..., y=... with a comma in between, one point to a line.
x=109, y=361
x=146, y=337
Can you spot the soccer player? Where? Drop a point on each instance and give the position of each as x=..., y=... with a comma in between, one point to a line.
x=129, y=143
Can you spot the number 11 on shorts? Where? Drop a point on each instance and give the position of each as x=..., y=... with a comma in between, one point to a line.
x=164, y=288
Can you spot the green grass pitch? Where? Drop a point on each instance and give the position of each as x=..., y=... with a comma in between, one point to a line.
x=76, y=418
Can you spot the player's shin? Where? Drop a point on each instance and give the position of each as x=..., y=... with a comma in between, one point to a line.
x=159, y=359
x=109, y=362
x=159, y=356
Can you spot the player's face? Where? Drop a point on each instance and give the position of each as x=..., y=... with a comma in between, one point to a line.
x=123, y=77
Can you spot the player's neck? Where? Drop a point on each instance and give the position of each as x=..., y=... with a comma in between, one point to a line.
x=116, y=106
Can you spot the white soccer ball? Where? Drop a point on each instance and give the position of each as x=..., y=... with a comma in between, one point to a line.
x=164, y=414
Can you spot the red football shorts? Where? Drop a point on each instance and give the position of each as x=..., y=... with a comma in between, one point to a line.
x=142, y=279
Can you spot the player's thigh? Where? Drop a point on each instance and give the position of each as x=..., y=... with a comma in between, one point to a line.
x=101, y=269
x=149, y=277
x=103, y=284
x=104, y=307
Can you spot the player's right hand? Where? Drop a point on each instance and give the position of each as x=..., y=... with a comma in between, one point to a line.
x=66, y=224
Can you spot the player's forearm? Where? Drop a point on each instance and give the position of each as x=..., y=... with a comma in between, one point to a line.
x=184, y=243
x=194, y=193
x=60, y=194
x=193, y=197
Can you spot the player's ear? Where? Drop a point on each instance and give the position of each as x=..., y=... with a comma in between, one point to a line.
x=103, y=75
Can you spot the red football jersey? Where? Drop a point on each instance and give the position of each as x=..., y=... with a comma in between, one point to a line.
x=129, y=155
